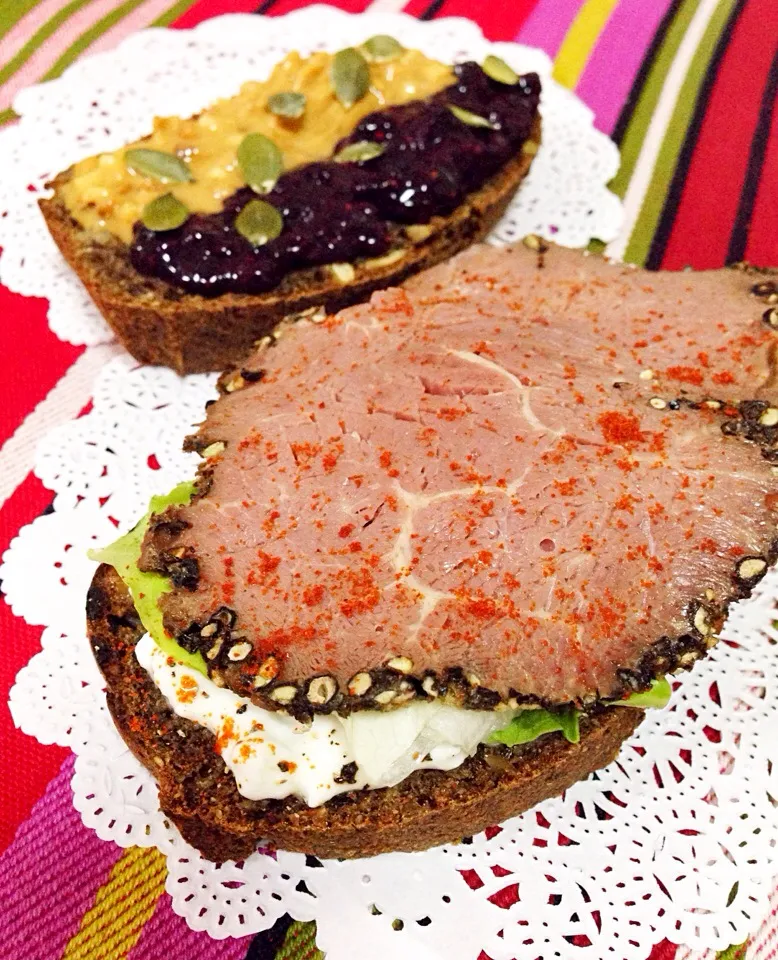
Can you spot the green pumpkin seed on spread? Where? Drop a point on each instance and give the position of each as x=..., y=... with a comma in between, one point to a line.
x=288, y=104
x=381, y=48
x=261, y=162
x=164, y=213
x=259, y=222
x=350, y=76
x=471, y=119
x=361, y=150
x=499, y=70
x=157, y=165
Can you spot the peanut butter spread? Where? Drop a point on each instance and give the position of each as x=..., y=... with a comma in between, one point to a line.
x=104, y=194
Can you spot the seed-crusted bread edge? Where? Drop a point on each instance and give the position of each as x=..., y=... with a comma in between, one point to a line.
x=160, y=324
x=198, y=793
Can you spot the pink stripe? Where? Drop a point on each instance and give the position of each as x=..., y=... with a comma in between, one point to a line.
x=142, y=17
x=548, y=23
x=49, y=52
x=167, y=932
x=617, y=57
x=50, y=874
x=25, y=28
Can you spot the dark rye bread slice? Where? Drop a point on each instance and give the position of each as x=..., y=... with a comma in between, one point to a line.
x=198, y=793
x=160, y=324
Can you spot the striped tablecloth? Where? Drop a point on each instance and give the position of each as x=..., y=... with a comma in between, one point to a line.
x=687, y=88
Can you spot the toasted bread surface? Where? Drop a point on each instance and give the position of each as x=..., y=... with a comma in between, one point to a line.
x=199, y=794
x=160, y=324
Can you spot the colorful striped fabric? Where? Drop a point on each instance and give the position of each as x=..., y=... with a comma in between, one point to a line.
x=687, y=88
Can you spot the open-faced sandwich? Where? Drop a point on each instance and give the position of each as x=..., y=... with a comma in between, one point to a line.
x=443, y=549
x=338, y=175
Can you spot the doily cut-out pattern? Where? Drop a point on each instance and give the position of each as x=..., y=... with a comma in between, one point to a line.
x=109, y=99
x=678, y=838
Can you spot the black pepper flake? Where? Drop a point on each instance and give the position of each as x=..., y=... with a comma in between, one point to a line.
x=348, y=773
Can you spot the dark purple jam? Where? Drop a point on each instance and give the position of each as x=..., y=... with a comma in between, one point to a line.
x=341, y=212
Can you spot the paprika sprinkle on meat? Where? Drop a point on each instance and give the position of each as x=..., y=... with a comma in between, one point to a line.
x=434, y=490
x=620, y=427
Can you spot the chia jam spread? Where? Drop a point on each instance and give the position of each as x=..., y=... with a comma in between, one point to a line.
x=341, y=212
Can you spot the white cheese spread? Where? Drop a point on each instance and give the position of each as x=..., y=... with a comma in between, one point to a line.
x=272, y=755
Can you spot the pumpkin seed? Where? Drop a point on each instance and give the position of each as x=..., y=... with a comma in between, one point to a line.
x=157, y=165
x=361, y=150
x=288, y=104
x=499, y=70
x=259, y=222
x=261, y=162
x=164, y=213
x=381, y=48
x=471, y=119
x=350, y=76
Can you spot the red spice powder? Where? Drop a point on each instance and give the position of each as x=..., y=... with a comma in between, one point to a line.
x=363, y=590
x=482, y=608
x=566, y=487
x=227, y=733
x=685, y=375
x=723, y=378
x=385, y=460
x=345, y=530
x=313, y=595
x=620, y=427
x=450, y=413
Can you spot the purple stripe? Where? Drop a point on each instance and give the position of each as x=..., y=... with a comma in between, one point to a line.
x=166, y=933
x=49, y=875
x=548, y=23
x=617, y=56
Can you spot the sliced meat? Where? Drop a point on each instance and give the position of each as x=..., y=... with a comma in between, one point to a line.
x=540, y=477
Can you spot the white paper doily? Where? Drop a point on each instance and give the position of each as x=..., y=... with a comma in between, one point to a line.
x=109, y=99
x=677, y=838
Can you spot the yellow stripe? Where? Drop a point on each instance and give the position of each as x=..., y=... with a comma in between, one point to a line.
x=112, y=925
x=580, y=40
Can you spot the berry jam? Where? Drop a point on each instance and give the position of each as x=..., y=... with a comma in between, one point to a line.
x=342, y=212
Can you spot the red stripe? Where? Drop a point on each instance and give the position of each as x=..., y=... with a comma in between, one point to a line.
x=762, y=245
x=499, y=21
x=350, y=6
x=204, y=9
x=663, y=951
x=706, y=212
x=27, y=765
x=38, y=359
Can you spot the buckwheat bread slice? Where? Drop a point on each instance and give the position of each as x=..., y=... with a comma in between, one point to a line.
x=160, y=324
x=198, y=793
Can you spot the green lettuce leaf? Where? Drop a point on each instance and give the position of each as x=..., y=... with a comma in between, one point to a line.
x=658, y=695
x=146, y=588
x=531, y=724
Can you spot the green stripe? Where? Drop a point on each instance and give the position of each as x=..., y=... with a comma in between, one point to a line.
x=11, y=13
x=40, y=37
x=653, y=202
x=89, y=36
x=736, y=952
x=174, y=13
x=7, y=115
x=635, y=134
x=299, y=943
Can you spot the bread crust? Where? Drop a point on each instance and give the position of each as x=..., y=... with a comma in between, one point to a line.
x=161, y=324
x=198, y=793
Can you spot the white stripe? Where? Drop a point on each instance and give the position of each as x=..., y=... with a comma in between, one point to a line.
x=657, y=129
x=62, y=403
x=386, y=6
